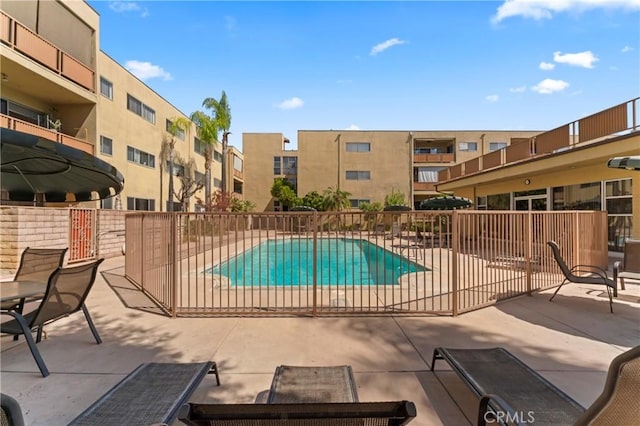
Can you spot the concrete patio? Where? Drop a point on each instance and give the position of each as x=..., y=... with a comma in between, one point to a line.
x=570, y=341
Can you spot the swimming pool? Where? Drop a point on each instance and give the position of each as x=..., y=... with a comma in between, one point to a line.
x=340, y=261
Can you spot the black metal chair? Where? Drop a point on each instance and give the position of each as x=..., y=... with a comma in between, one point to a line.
x=10, y=412
x=66, y=292
x=596, y=275
x=36, y=264
x=393, y=413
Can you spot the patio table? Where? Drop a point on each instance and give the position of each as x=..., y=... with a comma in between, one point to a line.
x=293, y=384
x=14, y=290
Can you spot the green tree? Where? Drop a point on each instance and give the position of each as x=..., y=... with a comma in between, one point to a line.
x=396, y=198
x=167, y=151
x=207, y=129
x=283, y=191
x=314, y=200
x=336, y=200
x=222, y=116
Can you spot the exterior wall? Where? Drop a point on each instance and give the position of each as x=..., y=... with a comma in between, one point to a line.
x=323, y=162
x=259, y=150
x=126, y=128
x=48, y=227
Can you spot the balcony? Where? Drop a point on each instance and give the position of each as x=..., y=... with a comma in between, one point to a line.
x=32, y=129
x=424, y=186
x=433, y=158
x=21, y=39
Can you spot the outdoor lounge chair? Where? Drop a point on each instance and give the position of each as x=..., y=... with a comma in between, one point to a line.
x=510, y=389
x=597, y=275
x=65, y=294
x=630, y=265
x=35, y=265
x=10, y=412
x=307, y=414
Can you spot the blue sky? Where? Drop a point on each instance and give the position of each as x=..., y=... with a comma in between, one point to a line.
x=414, y=65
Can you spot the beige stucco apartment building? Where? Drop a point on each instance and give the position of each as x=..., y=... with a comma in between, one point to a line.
x=59, y=85
x=367, y=164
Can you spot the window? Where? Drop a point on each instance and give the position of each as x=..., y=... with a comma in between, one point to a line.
x=290, y=165
x=277, y=168
x=106, y=145
x=499, y=202
x=107, y=203
x=177, y=168
x=481, y=203
x=619, y=205
x=358, y=175
x=494, y=146
x=134, y=203
x=217, y=183
x=179, y=132
x=199, y=147
x=237, y=163
x=358, y=147
x=355, y=202
x=106, y=88
x=200, y=177
x=141, y=109
x=468, y=146
x=426, y=174
x=585, y=196
x=217, y=156
x=136, y=156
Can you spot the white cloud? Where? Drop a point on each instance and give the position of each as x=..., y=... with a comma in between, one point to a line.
x=582, y=59
x=353, y=127
x=545, y=9
x=381, y=47
x=492, y=98
x=626, y=49
x=546, y=66
x=146, y=70
x=291, y=103
x=519, y=89
x=548, y=86
x=127, y=7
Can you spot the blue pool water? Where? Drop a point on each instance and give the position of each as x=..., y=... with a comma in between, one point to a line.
x=340, y=261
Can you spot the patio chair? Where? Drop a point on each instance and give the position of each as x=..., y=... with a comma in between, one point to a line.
x=10, y=412
x=35, y=265
x=596, y=275
x=630, y=265
x=304, y=414
x=66, y=292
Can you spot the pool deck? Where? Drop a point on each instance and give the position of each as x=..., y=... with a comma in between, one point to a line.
x=570, y=341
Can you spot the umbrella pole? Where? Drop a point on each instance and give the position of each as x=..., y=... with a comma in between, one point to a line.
x=28, y=183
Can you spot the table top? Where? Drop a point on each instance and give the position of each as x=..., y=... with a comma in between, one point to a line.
x=12, y=290
x=312, y=384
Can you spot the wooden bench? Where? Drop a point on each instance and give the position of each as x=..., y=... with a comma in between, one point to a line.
x=509, y=389
x=152, y=393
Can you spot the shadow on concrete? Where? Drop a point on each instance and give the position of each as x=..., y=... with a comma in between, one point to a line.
x=130, y=295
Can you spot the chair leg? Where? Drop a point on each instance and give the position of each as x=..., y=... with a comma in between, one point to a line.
x=32, y=345
x=91, y=326
x=39, y=334
x=557, y=290
x=622, y=284
x=610, y=299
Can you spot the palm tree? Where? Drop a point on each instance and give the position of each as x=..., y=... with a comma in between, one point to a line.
x=209, y=127
x=208, y=133
x=222, y=116
x=336, y=199
x=176, y=126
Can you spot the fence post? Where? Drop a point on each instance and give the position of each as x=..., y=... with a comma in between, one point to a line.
x=314, y=308
x=172, y=264
x=454, y=263
x=527, y=248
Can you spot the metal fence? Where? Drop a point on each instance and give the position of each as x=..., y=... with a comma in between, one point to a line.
x=308, y=263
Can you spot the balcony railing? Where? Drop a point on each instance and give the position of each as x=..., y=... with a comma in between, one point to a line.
x=25, y=41
x=614, y=121
x=33, y=129
x=424, y=186
x=433, y=158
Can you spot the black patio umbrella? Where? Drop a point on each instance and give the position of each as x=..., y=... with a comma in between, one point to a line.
x=629, y=163
x=445, y=202
x=397, y=208
x=31, y=165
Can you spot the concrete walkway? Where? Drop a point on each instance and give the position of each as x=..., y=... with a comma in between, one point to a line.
x=570, y=341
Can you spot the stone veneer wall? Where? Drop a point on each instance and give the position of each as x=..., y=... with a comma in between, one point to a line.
x=48, y=227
